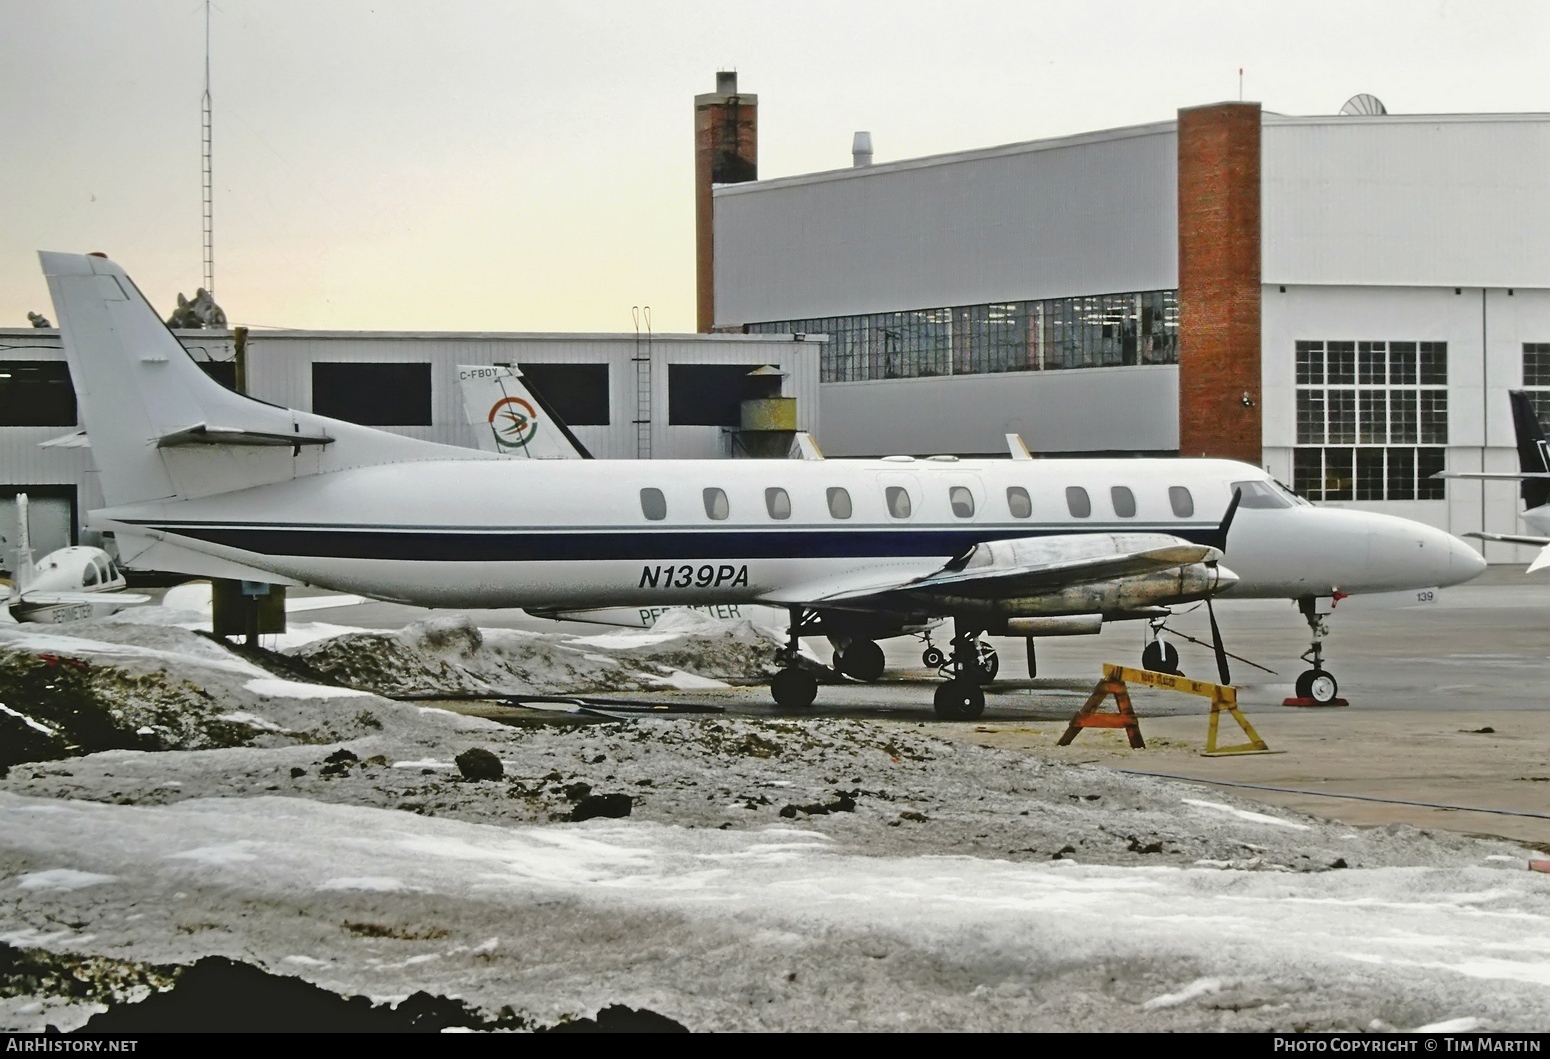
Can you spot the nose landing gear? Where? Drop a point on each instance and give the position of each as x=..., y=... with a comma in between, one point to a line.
x=1316, y=686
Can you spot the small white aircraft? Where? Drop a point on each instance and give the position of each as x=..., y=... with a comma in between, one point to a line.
x=68, y=584
x=201, y=480
x=1534, y=475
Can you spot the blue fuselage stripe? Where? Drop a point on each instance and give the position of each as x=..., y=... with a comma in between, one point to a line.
x=452, y=545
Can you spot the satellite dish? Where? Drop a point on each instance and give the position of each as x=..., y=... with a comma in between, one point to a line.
x=1364, y=104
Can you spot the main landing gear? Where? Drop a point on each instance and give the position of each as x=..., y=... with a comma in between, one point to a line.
x=1316, y=684
x=986, y=664
x=972, y=664
x=860, y=660
x=794, y=688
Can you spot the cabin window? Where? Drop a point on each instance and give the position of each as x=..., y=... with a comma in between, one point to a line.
x=1017, y=499
x=1183, y=503
x=898, y=501
x=104, y=569
x=962, y=501
x=1124, y=501
x=1078, y=502
x=653, y=504
x=839, y=503
x=89, y=576
x=778, y=503
x=716, y=504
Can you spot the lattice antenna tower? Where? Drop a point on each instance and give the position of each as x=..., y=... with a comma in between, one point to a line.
x=208, y=177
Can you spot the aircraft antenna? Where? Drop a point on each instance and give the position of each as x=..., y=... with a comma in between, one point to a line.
x=208, y=177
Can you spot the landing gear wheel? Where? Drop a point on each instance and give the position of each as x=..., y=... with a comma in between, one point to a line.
x=989, y=663
x=959, y=700
x=1160, y=657
x=1317, y=685
x=862, y=660
x=794, y=689
x=933, y=658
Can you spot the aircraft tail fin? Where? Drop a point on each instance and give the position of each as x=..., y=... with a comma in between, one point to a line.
x=1533, y=450
x=513, y=419
x=160, y=428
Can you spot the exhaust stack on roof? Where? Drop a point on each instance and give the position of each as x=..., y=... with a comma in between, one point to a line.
x=861, y=149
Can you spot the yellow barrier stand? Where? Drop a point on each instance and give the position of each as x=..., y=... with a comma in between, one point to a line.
x=1224, y=698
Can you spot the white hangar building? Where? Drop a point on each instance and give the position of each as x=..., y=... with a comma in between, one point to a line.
x=1344, y=299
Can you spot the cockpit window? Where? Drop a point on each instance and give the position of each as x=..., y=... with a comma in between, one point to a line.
x=1261, y=494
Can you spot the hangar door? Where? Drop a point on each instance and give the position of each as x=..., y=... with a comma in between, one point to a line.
x=52, y=519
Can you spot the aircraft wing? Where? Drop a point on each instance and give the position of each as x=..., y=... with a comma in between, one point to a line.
x=46, y=598
x=1019, y=568
x=1541, y=561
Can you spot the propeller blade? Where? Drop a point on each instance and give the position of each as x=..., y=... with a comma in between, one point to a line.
x=1216, y=642
x=1219, y=538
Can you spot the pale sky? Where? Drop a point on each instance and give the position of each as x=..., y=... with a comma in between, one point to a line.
x=524, y=166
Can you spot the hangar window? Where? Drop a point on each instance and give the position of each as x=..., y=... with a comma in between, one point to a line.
x=777, y=503
x=710, y=395
x=1018, y=501
x=1536, y=379
x=575, y=394
x=1369, y=417
x=839, y=503
x=373, y=395
x=1181, y=501
x=653, y=504
x=716, y=506
x=962, y=501
x=1124, y=501
x=898, y=501
x=1078, y=502
x=1088, y=331
x=36, y=393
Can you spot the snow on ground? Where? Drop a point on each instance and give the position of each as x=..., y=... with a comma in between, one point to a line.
x=810, y=874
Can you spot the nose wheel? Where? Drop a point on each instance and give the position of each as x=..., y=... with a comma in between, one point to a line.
x=1315, y=686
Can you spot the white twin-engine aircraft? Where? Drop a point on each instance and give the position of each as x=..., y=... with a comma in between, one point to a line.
x=201, y=480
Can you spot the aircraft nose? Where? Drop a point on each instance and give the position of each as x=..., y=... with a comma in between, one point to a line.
x=1464, y=562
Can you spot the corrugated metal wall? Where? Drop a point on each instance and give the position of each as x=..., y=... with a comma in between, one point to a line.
x=1133, y=409
x=1449, y=200
x=1083, y=215
x=280, y=371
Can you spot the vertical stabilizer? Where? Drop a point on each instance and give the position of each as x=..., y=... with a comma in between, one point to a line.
x=138, y=389
x=510, y=418
x=1533, y=450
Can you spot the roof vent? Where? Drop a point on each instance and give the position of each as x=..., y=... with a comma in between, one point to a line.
x=861, y=149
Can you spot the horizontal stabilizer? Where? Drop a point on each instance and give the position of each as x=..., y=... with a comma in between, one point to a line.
x=204, y=434
x=74, y=440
